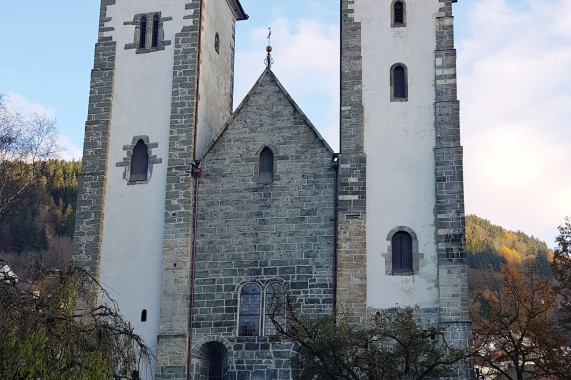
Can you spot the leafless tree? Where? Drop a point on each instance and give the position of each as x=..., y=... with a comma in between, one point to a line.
x=27, y=141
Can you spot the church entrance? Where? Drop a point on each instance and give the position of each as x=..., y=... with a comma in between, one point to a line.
x=212, y=361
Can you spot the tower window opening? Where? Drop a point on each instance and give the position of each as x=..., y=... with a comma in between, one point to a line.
x=399, y=87
x=217, y=43
x=155, y=37
x=139, y=162
x=266, y=166
x=144, y=315
x=249, y=319
x=401, y=245
x=143, y=33
x=398, y=13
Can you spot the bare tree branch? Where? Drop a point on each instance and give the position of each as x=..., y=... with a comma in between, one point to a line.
x=27, y=142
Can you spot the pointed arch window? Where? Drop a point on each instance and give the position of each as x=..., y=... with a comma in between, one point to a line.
x=217, y=43
x=143, y=33
x=266, y=166
x=155, y=37
x=249, y=318
x=399, y=85
x=139, y=162
x=274, y=307
x=401, y=245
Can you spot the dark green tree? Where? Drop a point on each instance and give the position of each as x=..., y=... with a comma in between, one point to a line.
x=25, y=234
x=561, y=268
x=393, y=345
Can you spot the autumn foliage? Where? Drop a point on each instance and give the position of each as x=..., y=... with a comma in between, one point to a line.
x=515, y=333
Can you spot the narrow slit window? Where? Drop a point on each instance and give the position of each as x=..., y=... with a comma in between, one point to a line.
x=139, y=162
x=401, y=245
x=217, y=43
x=249, y=319
x=143, y=33
x=144, y=315
x=275, y=307
x=398, y=13
x=399, y=85
x=266, y=174
x=155, y=38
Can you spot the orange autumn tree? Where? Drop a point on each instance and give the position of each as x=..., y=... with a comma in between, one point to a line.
x=511, y=255
x=514, y=331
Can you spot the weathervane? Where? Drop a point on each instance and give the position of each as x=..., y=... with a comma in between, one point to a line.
x=269, y=60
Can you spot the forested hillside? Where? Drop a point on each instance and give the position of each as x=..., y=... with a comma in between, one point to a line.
x=489, y=245
x=41, y=225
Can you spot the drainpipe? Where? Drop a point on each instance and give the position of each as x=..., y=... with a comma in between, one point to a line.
x=335, y=167
x=196, y=173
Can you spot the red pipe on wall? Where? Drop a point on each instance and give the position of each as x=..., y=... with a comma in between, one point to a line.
x=196, y=172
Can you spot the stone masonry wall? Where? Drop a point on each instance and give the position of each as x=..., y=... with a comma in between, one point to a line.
x=91, y=189
x=172, y=350
x=262, y=232
x=351, y=246
x=449, y=212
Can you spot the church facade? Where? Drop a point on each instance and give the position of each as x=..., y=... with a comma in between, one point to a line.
x=193, y=215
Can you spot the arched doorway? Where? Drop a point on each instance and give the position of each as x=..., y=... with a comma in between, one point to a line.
x=213, y=358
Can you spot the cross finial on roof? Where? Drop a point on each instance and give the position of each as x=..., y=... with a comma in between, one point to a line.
x=269, y=60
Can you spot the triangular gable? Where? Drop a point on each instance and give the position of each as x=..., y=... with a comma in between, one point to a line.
x=245, y=102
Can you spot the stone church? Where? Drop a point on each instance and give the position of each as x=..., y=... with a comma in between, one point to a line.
x=193, y=215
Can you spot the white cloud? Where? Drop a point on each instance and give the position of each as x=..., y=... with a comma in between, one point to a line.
x=514, y=88
x=70, y=150
x=18, y=102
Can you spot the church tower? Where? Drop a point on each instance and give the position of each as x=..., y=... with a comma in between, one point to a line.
x=161, y=90
x=401, y=203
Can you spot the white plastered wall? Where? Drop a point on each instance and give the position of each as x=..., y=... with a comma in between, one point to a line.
x=399, y=143
x=132, y=242
x=216, y=73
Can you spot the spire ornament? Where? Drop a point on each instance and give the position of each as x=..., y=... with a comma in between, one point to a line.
x=269, y=60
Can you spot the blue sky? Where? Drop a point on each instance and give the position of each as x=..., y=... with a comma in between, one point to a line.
x=513, y=74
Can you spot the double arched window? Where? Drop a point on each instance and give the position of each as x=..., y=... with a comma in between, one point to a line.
x=143, y=29
x=250, y=310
